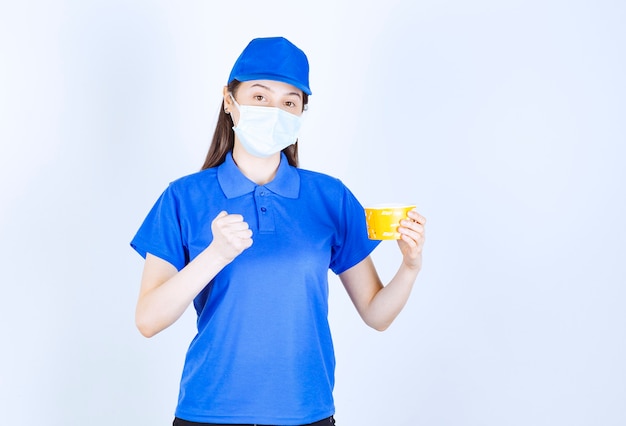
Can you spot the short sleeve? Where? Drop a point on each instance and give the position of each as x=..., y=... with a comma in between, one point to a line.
x=160, y=233
x=352, y=244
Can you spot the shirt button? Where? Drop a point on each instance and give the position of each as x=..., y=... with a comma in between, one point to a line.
x=263, y=209
x=262, y=193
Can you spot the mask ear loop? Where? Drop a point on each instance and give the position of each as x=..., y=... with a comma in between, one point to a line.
x=233, y=98
x=236, y=105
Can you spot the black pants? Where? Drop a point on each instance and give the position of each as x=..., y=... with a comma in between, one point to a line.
x=330, y=421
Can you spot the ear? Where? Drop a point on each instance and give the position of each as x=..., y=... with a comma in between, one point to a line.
x=228, y=101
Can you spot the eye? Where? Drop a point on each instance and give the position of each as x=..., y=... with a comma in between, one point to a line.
x=291, y=104
x=259, y=98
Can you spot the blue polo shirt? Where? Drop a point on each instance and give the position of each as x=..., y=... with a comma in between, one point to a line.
x=263, y=352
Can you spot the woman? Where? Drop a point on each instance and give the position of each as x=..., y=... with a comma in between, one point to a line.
x=249, y=240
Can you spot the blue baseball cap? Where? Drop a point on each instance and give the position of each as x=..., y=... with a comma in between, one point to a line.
x=272, y=58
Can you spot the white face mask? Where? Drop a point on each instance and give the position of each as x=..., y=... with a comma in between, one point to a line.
x=264, y=131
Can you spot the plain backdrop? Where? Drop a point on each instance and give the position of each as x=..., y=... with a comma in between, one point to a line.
x=504, y=121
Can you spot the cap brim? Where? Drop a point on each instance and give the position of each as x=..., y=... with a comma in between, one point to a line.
x=248, y=77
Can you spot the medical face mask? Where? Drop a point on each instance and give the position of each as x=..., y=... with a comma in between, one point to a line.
x=264, y=131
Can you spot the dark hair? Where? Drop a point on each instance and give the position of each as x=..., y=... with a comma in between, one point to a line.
x=224, y=136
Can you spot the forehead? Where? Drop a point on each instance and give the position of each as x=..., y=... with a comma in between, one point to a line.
x=272, y=86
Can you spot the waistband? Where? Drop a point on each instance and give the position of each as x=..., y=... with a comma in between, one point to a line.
x=329, y=421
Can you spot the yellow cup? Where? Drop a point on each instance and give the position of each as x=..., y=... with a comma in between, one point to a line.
x=383, y=220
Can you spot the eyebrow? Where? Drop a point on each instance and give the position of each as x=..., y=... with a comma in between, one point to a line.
x=270, y=90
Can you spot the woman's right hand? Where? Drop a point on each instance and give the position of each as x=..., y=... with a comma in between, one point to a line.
x=231, y=235
x=166, y=292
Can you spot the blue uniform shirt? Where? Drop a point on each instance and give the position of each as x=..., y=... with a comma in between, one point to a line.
x=263, y=352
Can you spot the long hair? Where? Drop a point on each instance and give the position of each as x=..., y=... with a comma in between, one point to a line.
x=224, y=136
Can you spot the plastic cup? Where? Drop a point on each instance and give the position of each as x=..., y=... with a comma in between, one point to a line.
x=383, y=220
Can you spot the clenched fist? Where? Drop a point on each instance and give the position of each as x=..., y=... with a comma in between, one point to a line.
x=231, y=235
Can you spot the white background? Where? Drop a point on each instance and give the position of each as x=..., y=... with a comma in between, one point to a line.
x=503, y=121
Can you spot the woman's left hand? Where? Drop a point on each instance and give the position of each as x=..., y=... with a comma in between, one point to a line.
x=412, y=239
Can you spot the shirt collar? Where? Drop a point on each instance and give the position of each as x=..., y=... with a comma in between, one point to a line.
x=234, y=184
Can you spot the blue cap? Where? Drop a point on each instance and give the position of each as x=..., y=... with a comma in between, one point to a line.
x=272, y=58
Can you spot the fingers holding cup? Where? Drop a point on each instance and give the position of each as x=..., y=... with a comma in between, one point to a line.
x=412, y=229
